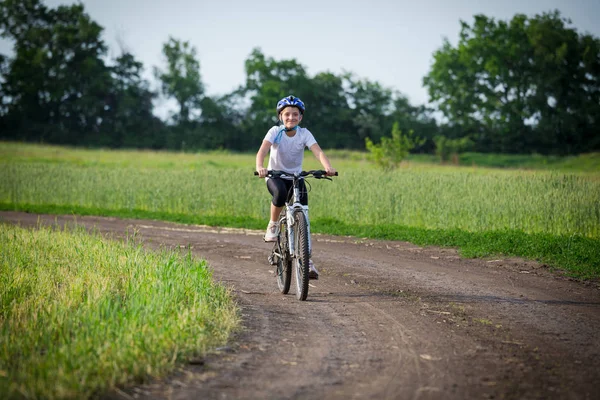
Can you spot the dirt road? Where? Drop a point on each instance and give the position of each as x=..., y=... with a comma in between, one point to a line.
x=386, y=320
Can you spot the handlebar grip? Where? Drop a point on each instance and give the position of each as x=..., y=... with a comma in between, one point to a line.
x=256, y=173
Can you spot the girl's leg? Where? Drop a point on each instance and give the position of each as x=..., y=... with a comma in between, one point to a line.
x=275, y=212
x=278, y=189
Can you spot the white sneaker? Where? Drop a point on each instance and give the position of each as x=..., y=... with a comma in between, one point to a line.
x=272, y=232
x=312, y=270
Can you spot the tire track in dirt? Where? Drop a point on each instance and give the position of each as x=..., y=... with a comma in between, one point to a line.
x=386, y=320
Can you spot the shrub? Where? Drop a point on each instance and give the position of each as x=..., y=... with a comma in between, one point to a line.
x=391, y=151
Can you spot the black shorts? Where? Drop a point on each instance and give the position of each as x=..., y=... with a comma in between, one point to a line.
x=282, y=190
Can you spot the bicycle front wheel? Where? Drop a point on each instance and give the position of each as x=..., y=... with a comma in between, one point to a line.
x=284, y=262
x=302, y=256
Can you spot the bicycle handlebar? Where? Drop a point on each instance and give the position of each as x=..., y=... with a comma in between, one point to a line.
x=317, y=173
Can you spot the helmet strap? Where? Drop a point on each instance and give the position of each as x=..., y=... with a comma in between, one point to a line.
x=284, y=129
x=290, y=129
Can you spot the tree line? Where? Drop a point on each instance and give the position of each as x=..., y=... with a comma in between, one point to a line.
x=531, y=84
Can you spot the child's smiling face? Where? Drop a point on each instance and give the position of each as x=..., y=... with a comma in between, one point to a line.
x=290, y=116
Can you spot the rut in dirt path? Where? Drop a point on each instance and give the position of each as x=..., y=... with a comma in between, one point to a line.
x=386, y=320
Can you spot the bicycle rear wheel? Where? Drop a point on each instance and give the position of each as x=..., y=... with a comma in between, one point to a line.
x=301, y=259
x=284, y=262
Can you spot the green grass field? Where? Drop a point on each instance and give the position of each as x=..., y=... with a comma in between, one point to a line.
x=548, y=215
x=80, y=314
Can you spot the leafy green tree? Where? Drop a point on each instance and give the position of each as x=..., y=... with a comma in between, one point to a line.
x=59, y=89
x=390, y=152
x=480, y=84
x=341, y=110
x=130, y=121
x=371, y=104
x=567, y=95
x=57, y=80
x=529, y=84
x=267, y=81
x=181, y=80
x=329, y=115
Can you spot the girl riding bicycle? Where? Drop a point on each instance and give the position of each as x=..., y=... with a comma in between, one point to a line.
x=286, y=144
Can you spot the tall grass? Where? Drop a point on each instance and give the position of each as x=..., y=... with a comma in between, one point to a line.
x=50, y=154
x=474, y=200
x=555, y=214
x=585, y=162
x=80, y=314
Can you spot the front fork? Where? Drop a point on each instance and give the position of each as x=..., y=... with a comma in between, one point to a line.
x=290, y=226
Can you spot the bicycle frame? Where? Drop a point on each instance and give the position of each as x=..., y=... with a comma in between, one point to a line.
x=290, y=208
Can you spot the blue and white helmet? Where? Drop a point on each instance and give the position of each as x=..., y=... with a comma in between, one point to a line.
x=290, y=101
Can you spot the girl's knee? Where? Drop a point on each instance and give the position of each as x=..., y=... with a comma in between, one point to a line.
x=277, y=203
x=278, y=200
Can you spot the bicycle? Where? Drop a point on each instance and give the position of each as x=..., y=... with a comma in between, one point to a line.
x=293, y=245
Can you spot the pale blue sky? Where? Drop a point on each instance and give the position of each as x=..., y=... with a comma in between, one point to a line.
x=390, y=42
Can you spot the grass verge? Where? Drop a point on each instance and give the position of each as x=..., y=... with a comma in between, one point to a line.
x=80, y=314
x=577, y=255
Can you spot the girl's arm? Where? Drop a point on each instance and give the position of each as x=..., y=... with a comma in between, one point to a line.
x=320, y=155
x=260, y=158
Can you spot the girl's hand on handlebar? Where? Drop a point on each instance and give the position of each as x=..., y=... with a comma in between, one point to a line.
x=262, y=172
x=331, y=171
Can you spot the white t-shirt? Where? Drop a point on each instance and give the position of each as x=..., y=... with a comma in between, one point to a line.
x=288, y=154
